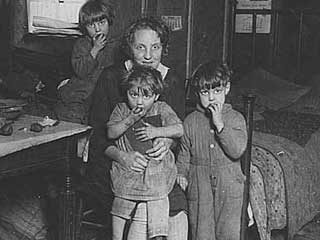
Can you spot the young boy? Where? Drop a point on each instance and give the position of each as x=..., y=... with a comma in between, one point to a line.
x=208, y=162
x=147, y=191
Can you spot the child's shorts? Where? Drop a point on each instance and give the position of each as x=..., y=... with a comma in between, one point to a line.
x=124, y=208
x=156, y=213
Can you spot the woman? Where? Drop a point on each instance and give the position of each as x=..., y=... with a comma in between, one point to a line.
x=145, y=42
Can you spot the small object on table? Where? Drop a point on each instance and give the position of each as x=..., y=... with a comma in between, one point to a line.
x=36, y=127
x=3, y=121
x=47, y=121
x=6, y=129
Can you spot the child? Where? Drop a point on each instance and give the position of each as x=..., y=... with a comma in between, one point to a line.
x=143, y=86
x=90, y=55
x=208, y=160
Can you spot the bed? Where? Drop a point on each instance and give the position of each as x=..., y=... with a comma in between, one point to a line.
x=284, y=190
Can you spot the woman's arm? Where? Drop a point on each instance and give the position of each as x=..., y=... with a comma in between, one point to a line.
x=183, y=159
x=135, y=160
x=149, y=132
x=172, y=131
x=131, y=160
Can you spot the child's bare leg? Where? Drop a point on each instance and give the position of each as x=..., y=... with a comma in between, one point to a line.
x=118, y=225
x=138, y=226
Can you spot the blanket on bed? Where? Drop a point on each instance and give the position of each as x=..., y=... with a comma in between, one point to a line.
x=301, y=174
x=297, y=127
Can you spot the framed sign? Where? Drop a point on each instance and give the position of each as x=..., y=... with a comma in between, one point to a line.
x=173, y=22
x=254, y=4
x=244, y=23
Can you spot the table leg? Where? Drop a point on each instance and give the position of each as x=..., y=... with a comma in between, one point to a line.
x=69, y=218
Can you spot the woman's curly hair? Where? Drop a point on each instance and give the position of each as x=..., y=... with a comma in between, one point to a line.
x=145, y=23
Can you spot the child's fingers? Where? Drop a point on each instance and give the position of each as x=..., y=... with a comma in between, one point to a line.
x=141, y=134
x=213, y=107
x=157, y=154
x=137, y=110
x=139, y=130
x=182, y=182
x=143, y=138
x=100, y=36
x=159, y=149
x=139, y=162
x=146, y=124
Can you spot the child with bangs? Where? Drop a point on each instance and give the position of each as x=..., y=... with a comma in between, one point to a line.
x=90, y=55
x=214, y=139
x=142, y=87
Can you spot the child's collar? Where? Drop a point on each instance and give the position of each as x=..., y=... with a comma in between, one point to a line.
x=161, y=68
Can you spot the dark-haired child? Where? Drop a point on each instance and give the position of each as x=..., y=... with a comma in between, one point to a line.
x=91, y=54
x=142, y=194
x=208, y=161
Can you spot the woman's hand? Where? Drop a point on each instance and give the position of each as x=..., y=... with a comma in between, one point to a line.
x=182, y=181
x=147, y=132
x=135, y=161
x=160, y=148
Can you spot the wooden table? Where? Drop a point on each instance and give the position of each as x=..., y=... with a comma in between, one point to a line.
x=26, y=151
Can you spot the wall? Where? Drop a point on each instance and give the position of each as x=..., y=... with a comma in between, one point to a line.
x=286, y=62
x=176, y=57
x=208, y=27
x=206, y=30
x=4, y=37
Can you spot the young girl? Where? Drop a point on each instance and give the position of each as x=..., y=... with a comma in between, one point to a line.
x=208, y=161
x=143, y=86
x=90, y=55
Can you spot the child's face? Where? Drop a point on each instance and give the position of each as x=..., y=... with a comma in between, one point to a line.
x=99, y=27
x=147, y=48
x=141, y=97
x=212, y=96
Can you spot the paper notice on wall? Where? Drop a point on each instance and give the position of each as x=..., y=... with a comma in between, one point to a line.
x=53, y=15
x=254, y=4
x=244, y=23
x=173, y=22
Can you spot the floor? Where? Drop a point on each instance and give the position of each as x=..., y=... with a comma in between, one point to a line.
x=17, y=194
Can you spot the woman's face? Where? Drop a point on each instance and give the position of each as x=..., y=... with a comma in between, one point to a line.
x=147, y=48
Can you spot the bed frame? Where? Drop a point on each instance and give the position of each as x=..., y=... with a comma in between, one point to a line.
x=246, y=162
